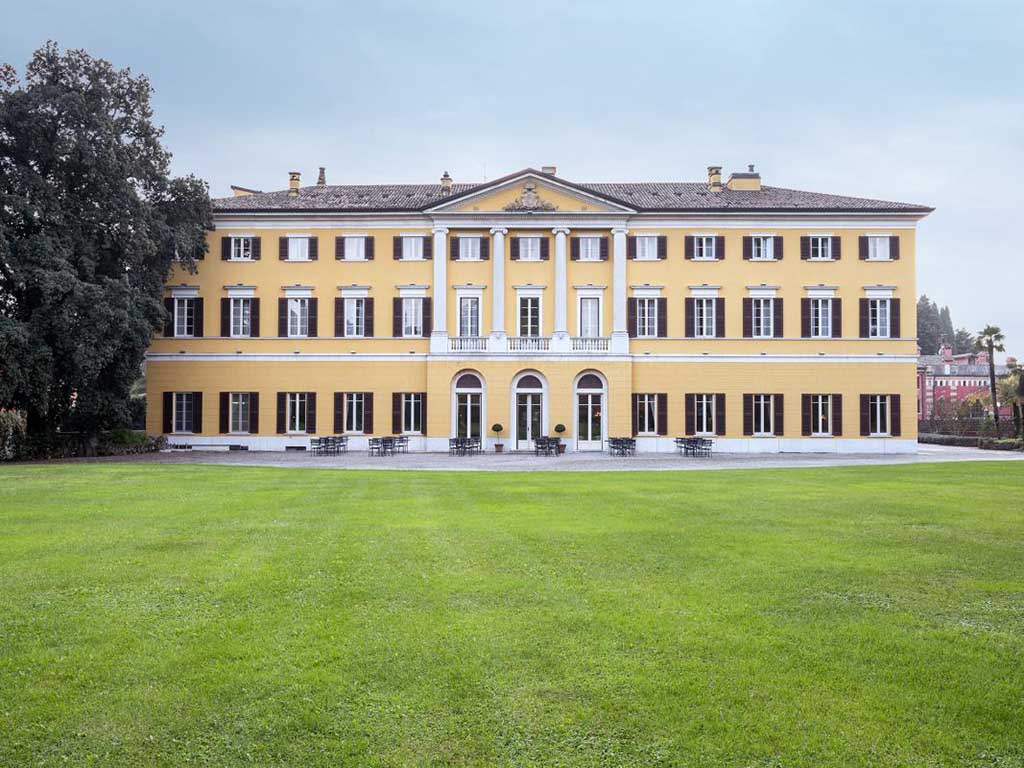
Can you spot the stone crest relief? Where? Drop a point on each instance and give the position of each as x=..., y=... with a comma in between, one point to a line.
x=530, y=201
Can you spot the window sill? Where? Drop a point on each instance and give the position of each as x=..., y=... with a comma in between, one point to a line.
x=821, y=434
x=589, y=261
x=304, y=336
x=249, y=259
x=236, y=433
x=821, y=259
x=420, y=258
x=297, y=261
x=297, y=432
x=348, y=259
x=705, y=258
x=879, y=260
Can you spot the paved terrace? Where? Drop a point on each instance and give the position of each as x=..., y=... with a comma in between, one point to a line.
x=578, y=462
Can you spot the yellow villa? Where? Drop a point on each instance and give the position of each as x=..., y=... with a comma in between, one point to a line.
x=764, y=318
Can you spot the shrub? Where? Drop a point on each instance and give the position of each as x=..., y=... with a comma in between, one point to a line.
x=1003, y=444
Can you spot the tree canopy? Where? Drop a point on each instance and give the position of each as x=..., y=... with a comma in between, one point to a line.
x=90, y=223
x=935, y=326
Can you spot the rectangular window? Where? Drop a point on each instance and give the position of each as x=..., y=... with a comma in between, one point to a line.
x=647, y=414
x=704, y=318
x=878, y=248
x=529, y=315
x=878, y=415
x=298, y=317
x=297, y=411
x=239, y=412
x=355, y=317
x=354, y=408
x=355, y=248
x=412, y=412
x=529, y=249
x=241, y=248
x=704, y=248
x=184, y=317
x=298, y=249
x=821, y=318
x=704, y=413
x=821, y=415
x=469, y=249
x=412, y=249
x=821, y=248
x=183, y=412
x=763, y=415
x=590, y=249
x=878, y=318
x=469, y=316
x=762, y=248
x=241, y=323
x=590, y=317
x=647, y=248
x=412, y=317
x=763, y=318
x=647, y=318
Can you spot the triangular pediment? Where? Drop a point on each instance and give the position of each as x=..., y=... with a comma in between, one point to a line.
x=530, y=191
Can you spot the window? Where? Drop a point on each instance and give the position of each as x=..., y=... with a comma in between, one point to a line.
x=298, y=317
x=821, y=318
x=412, y=249
x=878, y=248
x=239, y=412
x=821, y=248
x=184, y=405
x=761, y=248
x=184, y=317
x=878, y=415
x=469, y=249
x=590, y=317
x=297, y=403
x=412, y=412
x=355, y=406
x=241, y=317
x=646, y=247
x=763, y=412
x=878, y=318
x=529, y=315
x=704, y=318
x=355, y=248
x=469, y=316
x=241, y=248
x=355, y=317
x=529, y=249
x=590, y=249
x=763, y=318
x=298, y=249
x=647, y=318
x=412, y=317
x=821, y=415
x=704, y=414
x=647, y=414
x=704, y=248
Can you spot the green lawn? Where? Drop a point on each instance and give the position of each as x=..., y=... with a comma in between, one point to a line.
x=173, y=615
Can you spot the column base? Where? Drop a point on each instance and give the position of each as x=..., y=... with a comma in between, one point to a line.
x=618, y=344
x=561, y=342
x=439, y=343
x=497, y=342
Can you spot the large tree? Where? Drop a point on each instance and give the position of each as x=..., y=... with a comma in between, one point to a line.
x=990, y=339
x=90, y=222
x=929, y=329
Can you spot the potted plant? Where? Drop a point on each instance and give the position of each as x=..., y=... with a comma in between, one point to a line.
x=560, y=430
x=496, y=429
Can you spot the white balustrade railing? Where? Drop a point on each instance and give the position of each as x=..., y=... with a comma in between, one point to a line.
x=590, y=344
x=467, y=343
x=528, y=343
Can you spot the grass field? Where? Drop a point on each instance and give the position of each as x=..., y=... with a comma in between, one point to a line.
x=169, y=616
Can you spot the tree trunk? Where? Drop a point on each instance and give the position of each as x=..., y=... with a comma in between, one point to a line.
x=992, y=384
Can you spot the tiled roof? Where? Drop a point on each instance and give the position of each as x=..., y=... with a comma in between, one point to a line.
x=937, y=366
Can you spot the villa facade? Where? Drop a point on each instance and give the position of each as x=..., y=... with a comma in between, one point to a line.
x=765, y=318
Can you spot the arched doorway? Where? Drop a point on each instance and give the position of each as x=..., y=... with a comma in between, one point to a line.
x=529, y=406
x=467, y=405
x=591, y=394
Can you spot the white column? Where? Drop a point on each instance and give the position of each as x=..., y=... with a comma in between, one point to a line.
x=497, y=341
x=439, y=336
x=620, y=332
x=560, y=336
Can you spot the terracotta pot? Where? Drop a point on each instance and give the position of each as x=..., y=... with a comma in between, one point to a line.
x=499, y=448
x=561, y=448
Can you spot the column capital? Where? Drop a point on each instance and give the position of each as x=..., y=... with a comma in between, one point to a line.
x=438, y=230
x=560, y=230
x=619, y=230
x=499, y=230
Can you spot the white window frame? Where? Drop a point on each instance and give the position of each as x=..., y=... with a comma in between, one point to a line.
x=240, y=317
x=820, y=245
x=412, y=317
x=821, y=415
x=298, y=412
x=298, y=311
x=646, y=317
x=646, y=247
x=762, y=248
x=354, y=248
x=184, y=317
x=469, y=247
x=647, y=408
x=879, y=318
x=298, y=247
x=590, y=247
x=704, y=248
x=762, y=317
x=704, y=415
x=184, y=406
x=879, y=248
x=821, y=317
x=412, y=247
x=241, y=248
x=879, y=416
x=476, y=301
x=763, y=411
x=355, y=413
x=704, y=320
x=355, y=317
x=412, y=413
x=529, y=247
x=526, y=298
x=238, y=413
x=596, y=297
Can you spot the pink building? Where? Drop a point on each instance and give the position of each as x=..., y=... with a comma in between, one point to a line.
x=953, y=378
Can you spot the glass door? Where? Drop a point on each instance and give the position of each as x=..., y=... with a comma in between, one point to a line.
x=527, y=420
x=467, y=416
x=589, y=435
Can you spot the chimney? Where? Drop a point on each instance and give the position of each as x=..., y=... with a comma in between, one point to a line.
x=321, y=180
x=744, y=182
x=293, y=183
x=715, y=178
x=446, y=184
x=549, y=170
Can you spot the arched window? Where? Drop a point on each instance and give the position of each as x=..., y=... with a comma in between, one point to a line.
x=589, y=381
x=467, y=406
x=529, y=381
x=468, y=381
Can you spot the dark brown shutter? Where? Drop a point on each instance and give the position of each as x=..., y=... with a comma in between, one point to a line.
x=396, y=322
x=423, y=413
x=805, y=318
x=574, y=249
x=662, y=413
x=688, y=247
x=513, y=249
x=314, y=248
x=719, y=318
x=485, y=248
x=225, y=317
x=894, y=247
x=636, y=405
x=748, y=415
x=863, y=243
x=225, y=248
x=545, y=249
x=805, y=415
x=367, y=413
x=282, y=248
x=691, y=416
x=837, y=318
x=779, y=414
x=254, y=318
x=282, y=318
x=197, y=317
x=428, y=316
x=368, y=318
x=777, y=248
x=169, y=319
x=368, y=248
x=396, y=413
x=282, y=412
x=168, y=414
x=254, y=413
x=748, y=318
x=895, y=426
x=865, y=415
x=631, y=247
x=225, y=407
x=631, y=317
x=257, y=248
x=720, y=414
x=864, y=314
x=339, y=317
x=453, y=248
x=805, y=248
x=779, y=325
x=396, y=247
x=604, y=249
x=428, y=247
x=339, y=248
x=197, y=412
x=662, y=247
x=311, y=413
x=837, y=248
x=339, y=412
x=894, y=318
x=837, y=415
x=662, y=318
x=720, y=247
x=314, y=305
x=688, y=312
x=748, y=247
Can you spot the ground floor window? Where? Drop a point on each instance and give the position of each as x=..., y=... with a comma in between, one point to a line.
x=412, y=412
x=647, y=414
x=763, y=415
x=355, y=412
x=184, y=412
x=298, y=405
x=704, y=414
x=467, y=414
x=821, y=415
x=239, y=412
x=878, y=415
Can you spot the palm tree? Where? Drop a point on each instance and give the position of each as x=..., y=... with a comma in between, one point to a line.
x=990, y=339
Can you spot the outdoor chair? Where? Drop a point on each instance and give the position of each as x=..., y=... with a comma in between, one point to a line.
x=375, y=446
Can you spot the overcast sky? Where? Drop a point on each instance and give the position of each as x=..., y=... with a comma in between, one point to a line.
x=919, y=102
